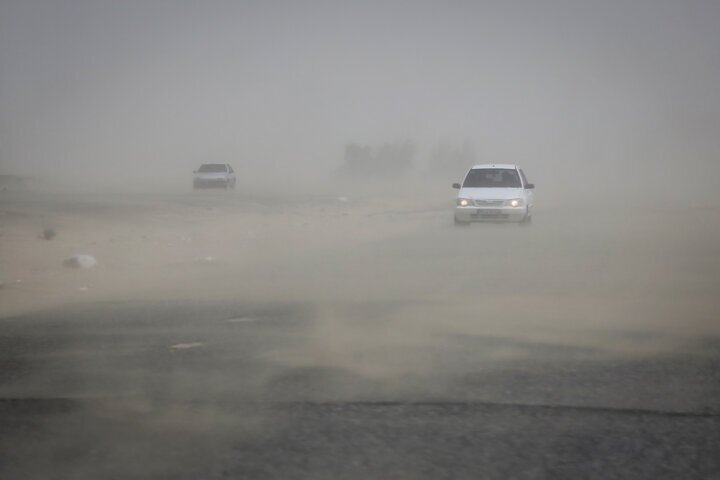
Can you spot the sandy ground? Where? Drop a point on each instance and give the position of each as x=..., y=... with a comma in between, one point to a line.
x=165, y=245
x=575, y=270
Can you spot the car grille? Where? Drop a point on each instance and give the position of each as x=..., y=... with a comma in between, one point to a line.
x=489, y=203
x=490, y=214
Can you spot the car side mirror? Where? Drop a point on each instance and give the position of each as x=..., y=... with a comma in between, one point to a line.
x=530, y=186
x=456, y=186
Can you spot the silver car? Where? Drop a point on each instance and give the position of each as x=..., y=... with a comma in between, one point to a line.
x=214, y=175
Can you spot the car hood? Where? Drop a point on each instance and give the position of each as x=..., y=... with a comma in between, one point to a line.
x=490, y=193
x=211, y=175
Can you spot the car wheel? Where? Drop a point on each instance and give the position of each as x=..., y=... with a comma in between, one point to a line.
x=527, y=220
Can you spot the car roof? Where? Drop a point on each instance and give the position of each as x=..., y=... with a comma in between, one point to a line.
x=496, y=165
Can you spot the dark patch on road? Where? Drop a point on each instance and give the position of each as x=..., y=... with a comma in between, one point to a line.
x=60, y=438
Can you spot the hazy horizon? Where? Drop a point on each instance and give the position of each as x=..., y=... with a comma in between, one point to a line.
x=124, y=92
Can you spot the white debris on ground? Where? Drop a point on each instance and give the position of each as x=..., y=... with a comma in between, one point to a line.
x=242, y=320
x=83, y=289
x=80, y=261
x=186, y=346
x=343, y=199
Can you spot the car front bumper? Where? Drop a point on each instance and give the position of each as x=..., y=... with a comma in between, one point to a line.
x=490, y=214
x=214, y=183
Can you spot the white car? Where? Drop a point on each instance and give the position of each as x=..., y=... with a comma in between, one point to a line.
x=495, y=193
x=214, y=175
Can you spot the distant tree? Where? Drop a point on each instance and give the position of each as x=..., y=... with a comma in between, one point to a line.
x=446, y=158
x=395, y=157
x=357, y=157
x=387, y=159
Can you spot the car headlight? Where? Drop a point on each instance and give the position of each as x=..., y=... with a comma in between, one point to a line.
x=515, y=202
x=464, y=202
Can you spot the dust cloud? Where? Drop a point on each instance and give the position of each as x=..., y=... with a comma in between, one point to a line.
x=347, y=123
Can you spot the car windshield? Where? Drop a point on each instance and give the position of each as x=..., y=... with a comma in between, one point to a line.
x=212, y=168
x=492, y=178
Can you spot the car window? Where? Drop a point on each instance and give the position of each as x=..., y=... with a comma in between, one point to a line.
x=492, y=178
x=230, y=169
x=212, y=168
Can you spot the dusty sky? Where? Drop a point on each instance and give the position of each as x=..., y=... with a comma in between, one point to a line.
x=141, y=89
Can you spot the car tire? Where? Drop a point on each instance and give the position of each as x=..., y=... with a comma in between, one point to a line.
x=527, y=220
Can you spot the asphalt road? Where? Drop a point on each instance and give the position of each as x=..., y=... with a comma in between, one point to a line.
x=188, y=391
